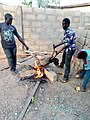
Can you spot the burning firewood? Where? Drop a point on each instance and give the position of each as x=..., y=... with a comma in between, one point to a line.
x=36, y=71
x=26, y=73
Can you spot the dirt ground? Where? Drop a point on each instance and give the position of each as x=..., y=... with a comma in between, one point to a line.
x=53, y=101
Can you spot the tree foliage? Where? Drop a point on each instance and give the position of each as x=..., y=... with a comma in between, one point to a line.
x=27, y=3
x=56, y=2
x=41, y=3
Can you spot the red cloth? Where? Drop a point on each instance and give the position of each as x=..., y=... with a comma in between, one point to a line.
x=85, y=62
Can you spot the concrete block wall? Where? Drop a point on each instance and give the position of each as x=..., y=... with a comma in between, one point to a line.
x=41, y=27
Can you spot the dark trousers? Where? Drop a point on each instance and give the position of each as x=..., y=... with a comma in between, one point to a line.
x=63, y=57
x=66, y=59
x=11, y=56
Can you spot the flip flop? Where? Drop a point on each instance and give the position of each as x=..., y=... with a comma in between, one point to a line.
x=63, y=81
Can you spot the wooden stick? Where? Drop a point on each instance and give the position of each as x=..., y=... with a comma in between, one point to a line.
x=18, y=63
x=22, y=55
x=5, y=68
x=24, y=110
x=18, y=55
x=29, y=57
x=37, y=52
x=1, y=58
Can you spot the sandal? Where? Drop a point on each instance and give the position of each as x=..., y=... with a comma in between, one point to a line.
x=64, y=80
x=83, y=89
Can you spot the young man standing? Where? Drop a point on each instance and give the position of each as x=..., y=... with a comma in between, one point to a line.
x=8, y=41
x=69, y=46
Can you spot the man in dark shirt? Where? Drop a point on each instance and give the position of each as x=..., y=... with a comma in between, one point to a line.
x=8, y=41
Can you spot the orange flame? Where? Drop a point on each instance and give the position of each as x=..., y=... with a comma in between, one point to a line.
x=39, y=70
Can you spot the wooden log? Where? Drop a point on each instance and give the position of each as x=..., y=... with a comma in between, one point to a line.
x=18, y=63
x=26, y=73
x=23, y=55
x=43, y=60
x=19, y=55
x=24, y=110
x=27, y=58
x=38, y=52
x=2, y=57
x=30, y=52
x=5, y=68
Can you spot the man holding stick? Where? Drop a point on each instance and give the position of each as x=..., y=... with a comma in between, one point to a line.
x=69, y=46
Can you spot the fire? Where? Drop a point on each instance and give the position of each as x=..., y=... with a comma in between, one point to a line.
x=39, y=70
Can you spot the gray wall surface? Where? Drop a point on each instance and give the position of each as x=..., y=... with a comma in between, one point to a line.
x=42, y=27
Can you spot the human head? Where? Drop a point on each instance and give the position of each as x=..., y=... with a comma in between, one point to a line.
x=82, y=55
x=8, y=18
x=65, y=23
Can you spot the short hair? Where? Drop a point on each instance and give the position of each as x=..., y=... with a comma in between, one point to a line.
x=82, y=55
x=7, y=15
x=66, y=20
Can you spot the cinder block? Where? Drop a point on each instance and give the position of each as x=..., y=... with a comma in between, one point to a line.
x=88, y=34
x=51, y=75
x=51, y=18
x=50, y=11
x=41, y=17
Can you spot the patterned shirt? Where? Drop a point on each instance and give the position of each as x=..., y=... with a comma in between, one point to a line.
x=7, y=35
x=69, y=39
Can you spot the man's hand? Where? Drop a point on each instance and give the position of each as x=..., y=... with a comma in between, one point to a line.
x=27, y=48
x=54, y=46
x=22, y=41
x=54, y=54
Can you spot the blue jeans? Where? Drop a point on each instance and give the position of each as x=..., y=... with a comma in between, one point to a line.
x=11, y=56
x=86, y=74
x=68, y=58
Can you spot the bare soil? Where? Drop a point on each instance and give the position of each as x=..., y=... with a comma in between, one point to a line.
x=53, y=101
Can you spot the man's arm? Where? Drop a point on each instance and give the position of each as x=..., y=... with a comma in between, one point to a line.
x=20, y=39
x=55, y=46
x=57, y=52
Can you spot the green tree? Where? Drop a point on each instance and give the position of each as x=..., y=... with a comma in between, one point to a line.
x=27, y=3
x=56, y=2
x=43, y=3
